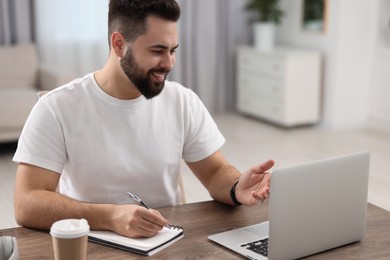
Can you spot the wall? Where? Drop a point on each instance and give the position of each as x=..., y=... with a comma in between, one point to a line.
x=72, y=34
x=380, y=77
x=348, y=49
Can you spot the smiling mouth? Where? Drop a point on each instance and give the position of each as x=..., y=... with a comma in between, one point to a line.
x=159, y=76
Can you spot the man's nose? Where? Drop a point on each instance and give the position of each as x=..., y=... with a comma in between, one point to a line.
x=168, y=61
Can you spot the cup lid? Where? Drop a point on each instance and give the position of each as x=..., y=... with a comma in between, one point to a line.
x=69, y=228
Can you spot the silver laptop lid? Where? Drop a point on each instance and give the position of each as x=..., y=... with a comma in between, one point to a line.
x=318, y=205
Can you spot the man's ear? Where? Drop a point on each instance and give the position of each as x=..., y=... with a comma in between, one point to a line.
x=118, y=44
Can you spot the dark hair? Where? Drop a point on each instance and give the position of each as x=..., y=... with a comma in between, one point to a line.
x=129, y=16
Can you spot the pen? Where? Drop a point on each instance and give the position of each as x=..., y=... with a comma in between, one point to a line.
x=137, y=199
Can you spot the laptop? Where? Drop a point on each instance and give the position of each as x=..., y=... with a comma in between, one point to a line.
x=313, y=207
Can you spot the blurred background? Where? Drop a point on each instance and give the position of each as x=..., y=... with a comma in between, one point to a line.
x=328, y=57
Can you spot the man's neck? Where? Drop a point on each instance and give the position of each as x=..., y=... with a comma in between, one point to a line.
x=115, y=83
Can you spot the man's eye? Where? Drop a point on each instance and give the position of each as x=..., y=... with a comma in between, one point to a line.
x=173, y=51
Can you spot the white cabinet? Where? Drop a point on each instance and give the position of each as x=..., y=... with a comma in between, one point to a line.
x=282, y=86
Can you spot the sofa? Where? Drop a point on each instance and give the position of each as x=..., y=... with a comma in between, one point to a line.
x=21, y=77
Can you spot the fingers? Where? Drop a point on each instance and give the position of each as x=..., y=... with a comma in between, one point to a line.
x=151, y=221
x=136, y=221
x=262, y=194
x=156, y=218
x=263, y=189
x=257, y=197
x=265, y=166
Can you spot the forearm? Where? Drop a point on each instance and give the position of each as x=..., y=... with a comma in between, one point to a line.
x=222, y=182
x=40, y=209
x=37, y=205
x=217, y=175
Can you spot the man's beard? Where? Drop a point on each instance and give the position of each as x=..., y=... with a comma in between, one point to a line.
x=142, y=82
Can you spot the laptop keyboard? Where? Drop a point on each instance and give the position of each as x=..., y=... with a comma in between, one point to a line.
x=258, y=246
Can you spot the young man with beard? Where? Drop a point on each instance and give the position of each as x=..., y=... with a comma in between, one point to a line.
x=125, y=128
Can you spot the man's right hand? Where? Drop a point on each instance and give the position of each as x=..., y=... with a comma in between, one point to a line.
x=136, y=221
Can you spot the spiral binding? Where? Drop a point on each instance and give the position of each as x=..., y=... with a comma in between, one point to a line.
x=173, y=227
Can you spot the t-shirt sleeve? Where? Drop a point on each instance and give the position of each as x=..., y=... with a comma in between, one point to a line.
x=42, y=141
x=203, y=137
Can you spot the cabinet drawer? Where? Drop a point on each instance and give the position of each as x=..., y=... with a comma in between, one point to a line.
x=262, y=64
x=281, y=86
x=261, y=87
x=264, y=108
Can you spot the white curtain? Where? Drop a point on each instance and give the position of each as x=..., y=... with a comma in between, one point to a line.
x=15, y=22
x=210, y=31
x=72, y=34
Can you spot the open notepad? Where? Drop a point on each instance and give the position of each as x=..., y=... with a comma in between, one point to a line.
x=143, y=246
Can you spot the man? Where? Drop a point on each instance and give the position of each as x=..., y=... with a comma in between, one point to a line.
x=125, y=128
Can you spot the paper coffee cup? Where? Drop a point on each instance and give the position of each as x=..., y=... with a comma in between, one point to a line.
x=70, y=239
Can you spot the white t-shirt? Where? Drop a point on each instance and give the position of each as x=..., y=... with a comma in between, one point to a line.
x=104, y=147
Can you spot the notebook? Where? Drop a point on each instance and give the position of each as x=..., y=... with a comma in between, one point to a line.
x=313, y=207
x=144, y=246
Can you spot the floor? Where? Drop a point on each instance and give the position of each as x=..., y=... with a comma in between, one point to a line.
x=249, y=142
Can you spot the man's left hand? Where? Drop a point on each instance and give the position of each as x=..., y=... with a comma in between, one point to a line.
x=254, y=184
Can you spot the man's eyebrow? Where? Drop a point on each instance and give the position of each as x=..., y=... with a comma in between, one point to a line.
x=160, y=46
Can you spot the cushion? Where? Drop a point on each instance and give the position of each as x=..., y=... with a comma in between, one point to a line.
x=15, y=106
x=18, y=66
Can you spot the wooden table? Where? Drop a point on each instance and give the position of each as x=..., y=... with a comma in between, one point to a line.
x=200, y=220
